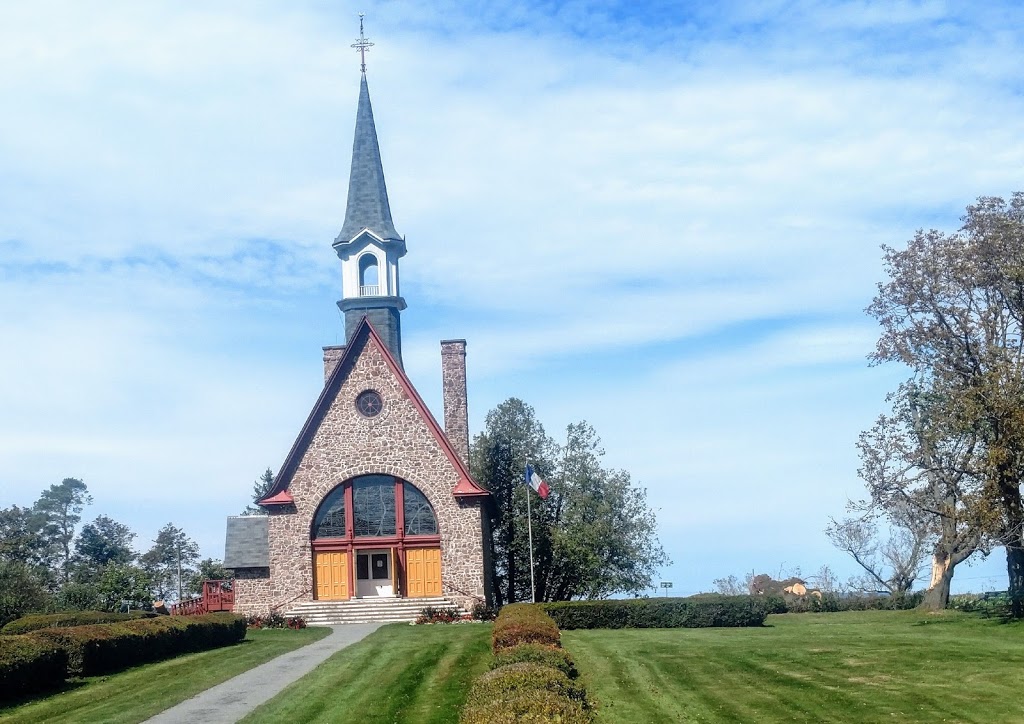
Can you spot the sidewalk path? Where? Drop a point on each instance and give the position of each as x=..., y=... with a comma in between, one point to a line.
x=233, y=699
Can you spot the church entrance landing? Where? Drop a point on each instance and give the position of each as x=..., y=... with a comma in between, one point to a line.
x=375, y=536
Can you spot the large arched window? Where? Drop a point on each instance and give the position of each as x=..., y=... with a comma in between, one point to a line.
x=369, y=277
x=374, y=506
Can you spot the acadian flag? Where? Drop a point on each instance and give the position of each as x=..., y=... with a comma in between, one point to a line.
x=536, y=482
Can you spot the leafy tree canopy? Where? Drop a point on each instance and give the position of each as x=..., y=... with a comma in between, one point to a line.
x=594, y=536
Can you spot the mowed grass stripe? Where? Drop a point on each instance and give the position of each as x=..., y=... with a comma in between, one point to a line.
x=399, y=673
x=849, y=667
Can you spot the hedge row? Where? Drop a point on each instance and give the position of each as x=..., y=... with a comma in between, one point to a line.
x=29, y=665
x=42, y=659
x=726, y=611
x=64, y=620
x=531, y=679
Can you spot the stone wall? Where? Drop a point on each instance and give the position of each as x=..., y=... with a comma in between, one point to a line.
x=453, y=385
x=252, y=590
x=396, y=442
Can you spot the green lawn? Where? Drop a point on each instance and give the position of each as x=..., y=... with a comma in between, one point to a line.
x=835, y=667
x=399, y=673
x=139, y=693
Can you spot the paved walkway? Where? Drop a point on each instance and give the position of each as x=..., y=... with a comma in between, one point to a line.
x=230, y=701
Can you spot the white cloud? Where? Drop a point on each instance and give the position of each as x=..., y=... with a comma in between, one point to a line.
x=611, y=204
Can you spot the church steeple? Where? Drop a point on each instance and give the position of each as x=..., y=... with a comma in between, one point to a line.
x=368, y=245
x=368, y=206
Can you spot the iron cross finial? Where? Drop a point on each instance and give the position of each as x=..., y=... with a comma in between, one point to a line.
x=362, y=44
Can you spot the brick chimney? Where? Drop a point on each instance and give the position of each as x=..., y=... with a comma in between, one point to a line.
x=453, y=384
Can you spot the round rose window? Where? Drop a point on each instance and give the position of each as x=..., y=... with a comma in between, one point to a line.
x=369, y=403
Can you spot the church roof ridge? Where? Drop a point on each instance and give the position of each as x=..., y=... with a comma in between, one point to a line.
x=367, y=206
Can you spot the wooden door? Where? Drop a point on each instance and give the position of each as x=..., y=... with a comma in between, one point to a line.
x=331, y=575
x=423, y=572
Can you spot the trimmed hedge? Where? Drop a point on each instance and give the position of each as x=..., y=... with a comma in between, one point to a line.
x=29, y=665
x=64, y=620
x=537, y=654
x=103, y=648
x=523, y=623
x=528, y=706
x=727, y=611
x=512, y=679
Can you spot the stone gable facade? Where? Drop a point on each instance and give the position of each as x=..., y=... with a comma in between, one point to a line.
x=399, y=441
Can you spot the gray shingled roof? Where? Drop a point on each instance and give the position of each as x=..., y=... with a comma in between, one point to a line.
x=368, y=206
x=246, y=543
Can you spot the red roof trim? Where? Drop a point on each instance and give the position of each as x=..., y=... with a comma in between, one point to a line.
x=465, y=488
x=282, y=498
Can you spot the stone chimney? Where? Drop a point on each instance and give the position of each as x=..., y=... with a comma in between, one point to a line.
x=332, y=355
x=453, y=384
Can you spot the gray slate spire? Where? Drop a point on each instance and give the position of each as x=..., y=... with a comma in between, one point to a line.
x=367, y=195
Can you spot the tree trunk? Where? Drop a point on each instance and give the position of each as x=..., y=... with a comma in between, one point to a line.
x=1015, y=574
x=936, y=598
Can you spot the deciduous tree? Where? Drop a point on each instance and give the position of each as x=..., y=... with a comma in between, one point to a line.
x=953, y=311
x=594, y=536
x=101, y=542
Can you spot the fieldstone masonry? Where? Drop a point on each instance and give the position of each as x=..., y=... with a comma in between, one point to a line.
x=453, y=385
x=345, y=444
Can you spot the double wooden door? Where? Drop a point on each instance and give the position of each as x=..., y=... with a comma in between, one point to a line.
x=332, y=575
x=423, y=572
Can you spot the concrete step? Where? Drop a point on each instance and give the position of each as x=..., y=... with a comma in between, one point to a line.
x=366, y=610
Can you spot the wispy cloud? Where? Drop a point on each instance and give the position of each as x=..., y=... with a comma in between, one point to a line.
x=666, y=202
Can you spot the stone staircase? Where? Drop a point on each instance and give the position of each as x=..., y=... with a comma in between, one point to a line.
x=365, y=610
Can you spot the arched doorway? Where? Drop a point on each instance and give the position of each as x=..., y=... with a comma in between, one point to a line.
x=375, y=536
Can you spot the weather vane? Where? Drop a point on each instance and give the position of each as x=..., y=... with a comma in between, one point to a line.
x=362, y=44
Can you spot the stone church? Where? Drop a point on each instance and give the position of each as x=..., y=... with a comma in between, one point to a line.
x=374, y=499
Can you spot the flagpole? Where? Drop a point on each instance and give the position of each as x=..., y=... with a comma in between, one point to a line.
x=529, y=528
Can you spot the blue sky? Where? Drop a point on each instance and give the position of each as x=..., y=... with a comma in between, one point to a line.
x=663, y=218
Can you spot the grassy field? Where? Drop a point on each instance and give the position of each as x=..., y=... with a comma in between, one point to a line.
x=139, y=693
x=838, y=667
x=399, y=673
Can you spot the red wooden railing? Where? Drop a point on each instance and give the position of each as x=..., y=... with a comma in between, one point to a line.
x=217, y=596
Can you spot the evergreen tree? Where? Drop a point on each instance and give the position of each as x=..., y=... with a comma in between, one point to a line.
x=260, y=488
x=61, y=510
x=101, y=542
x=169, y=562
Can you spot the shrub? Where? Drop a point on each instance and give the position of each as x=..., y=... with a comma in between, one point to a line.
x=65, y=620
x=103, y=648
x=483, y=612
x=537, y=654
x=272, y=619
x=29, y=665
x=524, y=623
x=727, y=611
x=432, y=614
x=528, y=706
x=508, y=681
x=296, y=622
